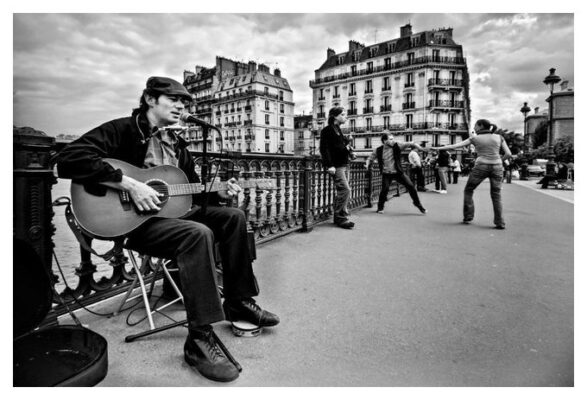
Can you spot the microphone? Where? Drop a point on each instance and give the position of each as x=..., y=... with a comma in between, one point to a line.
x=189, y=118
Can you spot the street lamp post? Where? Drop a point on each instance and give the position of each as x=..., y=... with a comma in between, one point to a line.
x=524, y=175
x=550, y=81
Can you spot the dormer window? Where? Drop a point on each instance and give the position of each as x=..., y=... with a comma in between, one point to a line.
x=373, y=51
x=340, y=60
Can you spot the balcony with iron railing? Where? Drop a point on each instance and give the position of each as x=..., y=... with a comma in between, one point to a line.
x=397, y=65
x=409, y=85
x=446, y=104
x=435, y=82
x=386, y=88
x=385, y=108
x=321, y=115
x=321, y=98
x=248, y=108
x=408, y=105
x=367, y=110
x=368, y=91
x=336, y=96
x=352, y=111
x=248, y=122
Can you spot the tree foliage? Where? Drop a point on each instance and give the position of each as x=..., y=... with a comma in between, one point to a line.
x=563, y=148
x=540, y=134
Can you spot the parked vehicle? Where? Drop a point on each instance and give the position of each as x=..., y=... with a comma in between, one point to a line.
x=535, y=170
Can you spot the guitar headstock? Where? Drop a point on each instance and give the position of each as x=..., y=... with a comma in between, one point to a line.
x=257, y=183
x=264, y=184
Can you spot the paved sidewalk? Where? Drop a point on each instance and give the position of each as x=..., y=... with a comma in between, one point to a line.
x=532, y=183
x=404, y=299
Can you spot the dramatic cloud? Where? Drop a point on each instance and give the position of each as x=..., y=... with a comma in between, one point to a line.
x=73, y=71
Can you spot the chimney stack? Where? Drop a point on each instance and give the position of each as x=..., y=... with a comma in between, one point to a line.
x=536, y=109
x=564, y=85
x=252, y=66
x=405, y=30
x=329, y=53
x=277, y=72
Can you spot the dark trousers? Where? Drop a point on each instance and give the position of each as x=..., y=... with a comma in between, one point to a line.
x=455, y=177
x=417, y=175
x=190, y=242
x=436, y=179
x=401, y=178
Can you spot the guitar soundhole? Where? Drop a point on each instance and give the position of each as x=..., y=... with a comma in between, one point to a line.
x=161, y=187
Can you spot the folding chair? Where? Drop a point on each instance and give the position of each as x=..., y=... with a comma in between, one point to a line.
x=140, y=269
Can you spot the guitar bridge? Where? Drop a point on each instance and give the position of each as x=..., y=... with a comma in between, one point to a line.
x=125, y=200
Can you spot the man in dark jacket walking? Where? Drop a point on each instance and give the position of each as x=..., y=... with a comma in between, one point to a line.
x=388, y=156
x=140, y=141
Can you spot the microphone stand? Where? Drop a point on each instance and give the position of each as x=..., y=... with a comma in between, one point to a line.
x=204, y=169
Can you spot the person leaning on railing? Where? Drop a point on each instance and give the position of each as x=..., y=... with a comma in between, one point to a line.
x=336, y=151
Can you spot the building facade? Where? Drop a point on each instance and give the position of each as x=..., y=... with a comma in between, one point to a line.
x=563, y=112
x=415, y=87
x=533, y=122
x=252, y=107
x=304, y=135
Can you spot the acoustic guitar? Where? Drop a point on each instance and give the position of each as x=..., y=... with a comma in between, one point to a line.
x=115, y=214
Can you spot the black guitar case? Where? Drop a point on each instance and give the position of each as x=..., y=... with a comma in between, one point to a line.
x=67, y=355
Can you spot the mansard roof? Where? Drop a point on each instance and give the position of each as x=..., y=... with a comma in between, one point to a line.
x=401, y=44
x=254, y=77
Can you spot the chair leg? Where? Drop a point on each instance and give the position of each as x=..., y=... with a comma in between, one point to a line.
x=135, y=265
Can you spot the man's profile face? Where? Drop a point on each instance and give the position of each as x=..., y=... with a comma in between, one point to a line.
x=166, y=109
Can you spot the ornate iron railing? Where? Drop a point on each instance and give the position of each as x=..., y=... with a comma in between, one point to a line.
x=303, y=196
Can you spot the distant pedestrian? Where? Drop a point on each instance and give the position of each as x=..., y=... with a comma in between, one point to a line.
x=336, y=151
x=456, y=169
x=388, y=155
x=443, y=163
x=416, y=172
x=489, y=164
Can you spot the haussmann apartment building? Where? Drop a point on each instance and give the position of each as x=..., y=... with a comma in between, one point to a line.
x=415, y=87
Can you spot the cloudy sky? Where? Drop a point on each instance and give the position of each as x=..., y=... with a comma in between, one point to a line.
x=74, y=71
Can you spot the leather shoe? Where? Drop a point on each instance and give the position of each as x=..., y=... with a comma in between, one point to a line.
x=248, y=310
x=346, y=225
x=421, y=208
x=202, y=351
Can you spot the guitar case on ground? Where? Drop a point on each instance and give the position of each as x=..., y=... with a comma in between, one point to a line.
x=67, y=355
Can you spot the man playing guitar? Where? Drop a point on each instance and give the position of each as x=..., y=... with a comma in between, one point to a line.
x=139, y=140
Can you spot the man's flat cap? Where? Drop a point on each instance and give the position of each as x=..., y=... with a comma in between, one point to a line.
x=168, y=86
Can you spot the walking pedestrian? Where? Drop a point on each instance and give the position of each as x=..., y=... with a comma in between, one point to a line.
x=456, y=169
x=335, y=150
x=416, y=170
x=489, y=164
x=388, y=155
x=443, y=163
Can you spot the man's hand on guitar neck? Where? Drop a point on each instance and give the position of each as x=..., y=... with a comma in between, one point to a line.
x=145, y=197
x=233, y=190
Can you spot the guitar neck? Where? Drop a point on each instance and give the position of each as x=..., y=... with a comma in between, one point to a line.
x=185, y=189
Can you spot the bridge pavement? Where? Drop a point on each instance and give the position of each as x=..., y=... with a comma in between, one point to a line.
x=404, y=299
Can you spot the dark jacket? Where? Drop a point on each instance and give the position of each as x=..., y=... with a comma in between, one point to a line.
x=443, y=158
x=397, y=155
x=333, y=148
x=81, y=160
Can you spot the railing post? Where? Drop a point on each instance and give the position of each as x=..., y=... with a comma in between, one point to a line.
x=369, y=188
x=305, y=197
x=33, y=179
